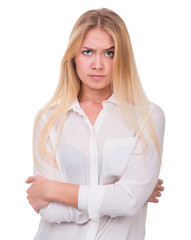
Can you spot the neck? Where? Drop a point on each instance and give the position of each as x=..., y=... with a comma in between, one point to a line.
x=94, y=95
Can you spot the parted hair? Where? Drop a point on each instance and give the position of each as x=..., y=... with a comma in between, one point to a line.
x=126, y=85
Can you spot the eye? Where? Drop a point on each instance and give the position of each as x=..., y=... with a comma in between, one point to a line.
x=87, y=52
x=109, y=54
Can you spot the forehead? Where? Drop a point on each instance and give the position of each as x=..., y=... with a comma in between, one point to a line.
x=97, y=37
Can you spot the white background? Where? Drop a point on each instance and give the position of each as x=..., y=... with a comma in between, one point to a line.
x=33, y=38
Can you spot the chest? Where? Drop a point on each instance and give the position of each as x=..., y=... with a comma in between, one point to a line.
x=99, y=152
x=92, y=111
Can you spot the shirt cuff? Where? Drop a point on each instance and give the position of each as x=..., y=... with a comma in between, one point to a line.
x=83, y=197
x=90, y=199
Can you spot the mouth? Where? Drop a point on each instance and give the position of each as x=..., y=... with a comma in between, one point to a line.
x=97, y=76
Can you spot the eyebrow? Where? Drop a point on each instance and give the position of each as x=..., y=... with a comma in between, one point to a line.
x=107, y=49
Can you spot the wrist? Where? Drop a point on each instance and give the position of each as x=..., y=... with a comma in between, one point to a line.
x=64, y=193
x=52, y=190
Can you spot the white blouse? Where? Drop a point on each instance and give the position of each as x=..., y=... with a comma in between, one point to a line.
x=92, y=157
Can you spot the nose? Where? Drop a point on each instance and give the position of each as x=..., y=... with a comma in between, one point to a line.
x=97, y=62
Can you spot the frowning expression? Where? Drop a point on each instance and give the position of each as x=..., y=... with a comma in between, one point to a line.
x=94, y=61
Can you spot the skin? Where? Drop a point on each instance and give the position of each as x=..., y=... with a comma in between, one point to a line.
x=94, y=64
x=43, y=191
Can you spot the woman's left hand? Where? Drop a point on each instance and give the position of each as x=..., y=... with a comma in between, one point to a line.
x=156, y=192
x=38, y=192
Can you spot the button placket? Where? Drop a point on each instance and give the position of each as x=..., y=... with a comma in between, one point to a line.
x=94, y=163
x=93, y=158
x=94, y=224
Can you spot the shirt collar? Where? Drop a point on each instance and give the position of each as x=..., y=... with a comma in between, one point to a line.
x=75, y=105
x=111, y=99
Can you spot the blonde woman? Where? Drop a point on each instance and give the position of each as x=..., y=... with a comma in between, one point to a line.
x=98, y=141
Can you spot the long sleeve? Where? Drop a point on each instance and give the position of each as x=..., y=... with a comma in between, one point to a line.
x=54, y=212
x=128, y=195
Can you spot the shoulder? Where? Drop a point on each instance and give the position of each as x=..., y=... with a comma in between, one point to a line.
x=44, y=114
x=151, y=113
x=157, y=119
x=156, y=112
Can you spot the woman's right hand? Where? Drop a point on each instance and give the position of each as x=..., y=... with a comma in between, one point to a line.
x=37, y=192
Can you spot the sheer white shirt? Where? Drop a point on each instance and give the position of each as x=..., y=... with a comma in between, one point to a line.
x=92, y=157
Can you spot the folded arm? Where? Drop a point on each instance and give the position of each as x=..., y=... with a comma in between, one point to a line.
x=45, y=176
x=126, y=196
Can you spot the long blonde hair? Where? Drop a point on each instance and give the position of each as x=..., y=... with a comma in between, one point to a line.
x=126, y=84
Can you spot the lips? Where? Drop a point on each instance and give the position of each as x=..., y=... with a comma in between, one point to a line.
x=96, y=76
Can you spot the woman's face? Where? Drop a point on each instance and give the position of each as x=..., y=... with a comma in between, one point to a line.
x=94, y=61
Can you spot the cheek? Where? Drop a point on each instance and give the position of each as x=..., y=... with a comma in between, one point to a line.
x=78, y=67
x=81, y=66
x=110, y=68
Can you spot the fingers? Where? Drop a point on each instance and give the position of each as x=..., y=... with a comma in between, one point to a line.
x=160, y=181
x=157, y=194
x=155, y=200
x=33, y=178
x=34, y=205
x=30, y=180
x=159, y=186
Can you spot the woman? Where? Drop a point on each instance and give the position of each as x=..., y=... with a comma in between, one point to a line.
x=98, y=141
